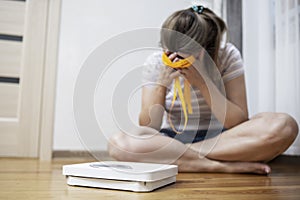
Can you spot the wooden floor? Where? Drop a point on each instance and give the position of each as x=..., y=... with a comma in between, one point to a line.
x=31, y=179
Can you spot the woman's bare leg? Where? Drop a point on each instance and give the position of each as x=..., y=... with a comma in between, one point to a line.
x=262, y=138
x=147, y=145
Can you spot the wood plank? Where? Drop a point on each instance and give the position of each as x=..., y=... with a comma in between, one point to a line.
x=9, y=95
x=31, y=179
x=8, y=126
x=8, y=134
x=9, y=131
x=12, y=17
x=10, y=58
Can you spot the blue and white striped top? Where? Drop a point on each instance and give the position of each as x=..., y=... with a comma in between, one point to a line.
x=230, y=67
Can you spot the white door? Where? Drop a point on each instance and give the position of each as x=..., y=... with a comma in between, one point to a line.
x=22, y=47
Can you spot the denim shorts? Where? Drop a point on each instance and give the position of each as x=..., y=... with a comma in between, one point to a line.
x=191, y=136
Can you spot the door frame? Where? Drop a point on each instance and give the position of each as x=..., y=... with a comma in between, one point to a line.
x=48, y=94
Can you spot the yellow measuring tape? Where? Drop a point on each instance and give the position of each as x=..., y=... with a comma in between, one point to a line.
x=185, y=97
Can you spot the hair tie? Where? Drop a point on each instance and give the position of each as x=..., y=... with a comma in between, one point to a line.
x=198, y=9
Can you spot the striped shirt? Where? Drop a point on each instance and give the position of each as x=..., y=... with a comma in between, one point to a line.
x=230, y=67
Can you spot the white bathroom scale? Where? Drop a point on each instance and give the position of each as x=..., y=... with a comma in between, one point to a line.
x=132, y=176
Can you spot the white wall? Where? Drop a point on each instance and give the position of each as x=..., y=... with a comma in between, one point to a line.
x=258, y=48
x=85, y=24
x=272, y=72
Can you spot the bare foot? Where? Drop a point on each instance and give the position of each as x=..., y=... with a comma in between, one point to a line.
x=207, y=165
x=245, y=167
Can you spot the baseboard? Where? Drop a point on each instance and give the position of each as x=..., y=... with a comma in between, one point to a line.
x=288, y=160
x=81, y=154
x=103, y=155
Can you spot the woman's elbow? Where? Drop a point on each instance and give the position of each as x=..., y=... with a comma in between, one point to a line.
x=145, y=120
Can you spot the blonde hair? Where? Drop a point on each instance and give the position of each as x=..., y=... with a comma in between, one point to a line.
x=206, y=28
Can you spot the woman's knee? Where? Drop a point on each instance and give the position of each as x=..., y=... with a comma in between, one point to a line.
x=117, y=146
x=123, y=147
x=281, y=129
x=112, y=146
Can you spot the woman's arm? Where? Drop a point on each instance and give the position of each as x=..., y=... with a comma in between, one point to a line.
x=230, y=110
x=153, y=97
x=153, y=102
